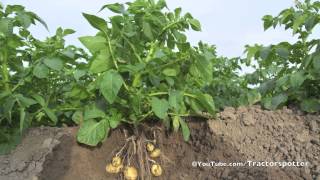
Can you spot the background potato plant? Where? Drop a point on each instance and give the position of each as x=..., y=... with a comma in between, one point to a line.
x=290, y=73
x=38, y=78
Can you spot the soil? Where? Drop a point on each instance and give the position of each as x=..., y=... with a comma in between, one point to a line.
x=282, y=135
x=27, y=160
x=237, y=135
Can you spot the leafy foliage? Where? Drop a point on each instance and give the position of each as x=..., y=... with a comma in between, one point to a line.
x=36, y=76
x=228, y=88
x=143, y=67
x=289, y=73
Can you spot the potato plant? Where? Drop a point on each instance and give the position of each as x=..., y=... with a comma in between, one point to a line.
x=228, y=88
x=38, y=80
x=143, y=68
x=289, y=73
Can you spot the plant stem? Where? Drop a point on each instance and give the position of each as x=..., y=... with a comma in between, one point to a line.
x=145, y=116
x=164, y=65
x=151, y=52
x=166, y=93
x=190, y=95
x=69, y=109
x=158, y=93
x=114, y=60
x=133, y=48
x=111, y=52
x=169, y=26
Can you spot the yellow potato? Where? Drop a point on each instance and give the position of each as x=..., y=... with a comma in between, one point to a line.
x=130, y=173
x=150, y=147
x=116, y=161
x=156, y=170
x=112, y=169
x=155, y=153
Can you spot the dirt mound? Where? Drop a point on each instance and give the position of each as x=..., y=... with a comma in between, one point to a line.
x=282, y=135
x=84, y=163
x=27, y=160
x=238, y=135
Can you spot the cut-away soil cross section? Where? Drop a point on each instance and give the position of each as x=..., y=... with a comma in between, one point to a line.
x=237, y=135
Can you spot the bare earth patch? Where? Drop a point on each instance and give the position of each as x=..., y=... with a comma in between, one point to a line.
x=237, y=135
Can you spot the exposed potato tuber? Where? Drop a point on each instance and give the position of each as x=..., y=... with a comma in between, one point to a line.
x=155, y=153
x=156, y=170
x=150, y=147
x=130, y=173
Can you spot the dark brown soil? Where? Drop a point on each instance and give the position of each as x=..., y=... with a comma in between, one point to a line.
x=69, y=160
x=223, y=140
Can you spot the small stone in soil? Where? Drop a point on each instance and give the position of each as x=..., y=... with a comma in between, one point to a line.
x=313, y=126
x=248, y=119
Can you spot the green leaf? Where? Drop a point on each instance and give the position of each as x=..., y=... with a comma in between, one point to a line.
x=283, y=52
x=101, y=63
x=176, y=123
x=94, y=43
x=185, y=130
x=96, y=22
x=77, y=117
x=41, y=21
x=310, y=105
x=116, y=7
x=177, y=12
x=24, y=19
x=92, y=132
x=41, y=71
x=137, y=103
x=25, y=101
x=195, y=24
x=274, y=102
x=147, y=30
x=39, y=99
x=54, y=63
x=296, y=79
x=137, y=82
x=175, y=99
x=8, y=106
x=267, y=21
x=4, y=94
x=298, y=22
x=22, y=119
x=159, y=107
x=205, y=68
x=110, y=85
x=207, y=102
x=265, y=52
x=196, y=106
x=92, y=112
x=170, y=72
x=115, y=119
x=68, y=32
x=316, y=62
x=253, y=97
x=51, y=115
x=78, y=73
x=8, y=141
x=6, y=27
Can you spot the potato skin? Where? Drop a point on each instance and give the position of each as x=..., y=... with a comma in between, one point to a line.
x=150, y=147
x=116, y=161
x=112, y=169
x=155, y=153
x=130, y=173
x=156, y=170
